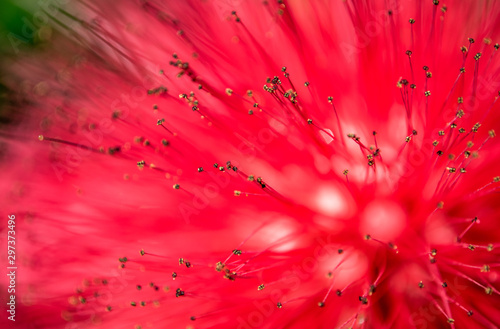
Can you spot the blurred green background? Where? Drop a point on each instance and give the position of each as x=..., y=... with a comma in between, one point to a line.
x=14, y=38
x=13, y=28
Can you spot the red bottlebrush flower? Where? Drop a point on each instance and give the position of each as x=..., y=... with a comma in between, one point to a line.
x=256, y=164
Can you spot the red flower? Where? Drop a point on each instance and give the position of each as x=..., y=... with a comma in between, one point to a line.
x=354, y=190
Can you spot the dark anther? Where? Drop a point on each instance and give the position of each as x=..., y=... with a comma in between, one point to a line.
x=179, y=292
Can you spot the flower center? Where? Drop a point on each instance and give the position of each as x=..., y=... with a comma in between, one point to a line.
x=383, y=219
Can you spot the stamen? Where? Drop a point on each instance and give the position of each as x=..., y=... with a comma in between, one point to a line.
x=238, y=248
x=473, y=247
x=330, y=100
x=473, y=221
x=281, y=304
x=449, y=319
x=402, y=84
x=333, y=281
x=310, y=122
x=239, y=193
x=487, y=289
x=496, y=179
x=462, y=71
x=409, y=53
x=143, y=253
x=160, y=123
x=439, y=206
x=377, y=149
x=340, y=292
x=61, y=141
x=412, y=21
x=484, y=268
x=345, y=173
x=351, y=319
x=474, y=82
x=430, y=43
x=469, y=312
